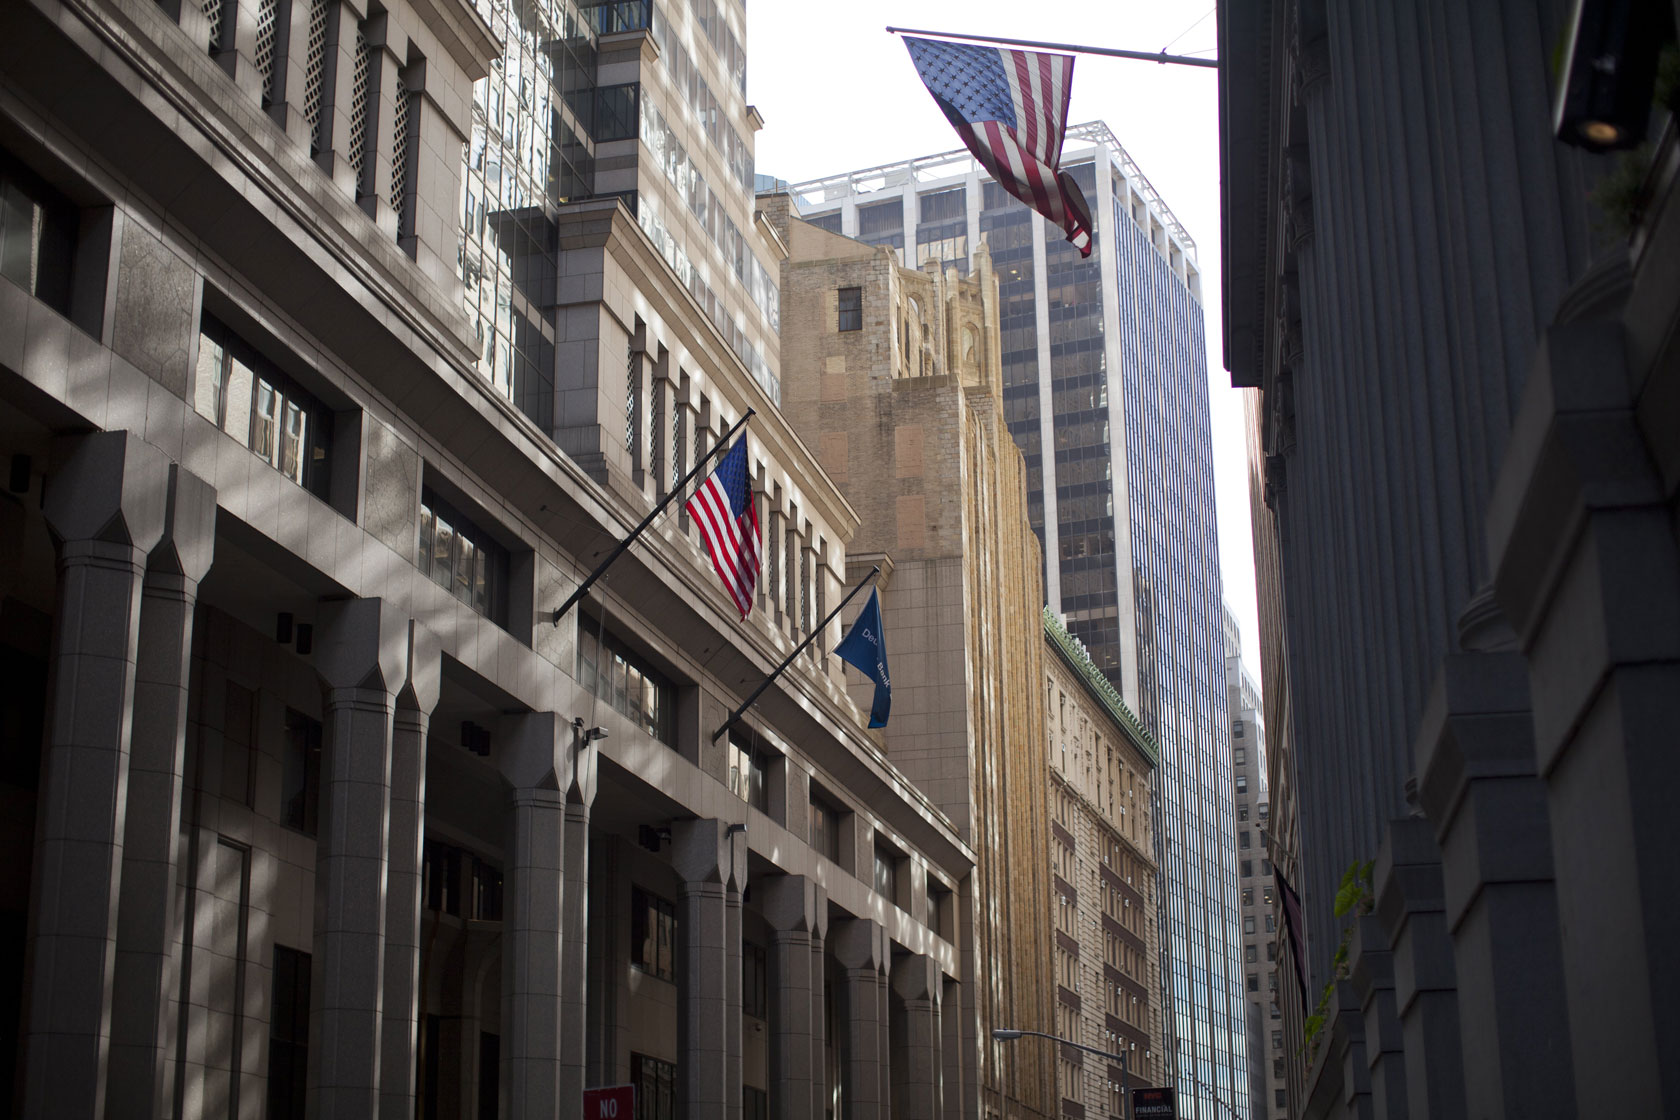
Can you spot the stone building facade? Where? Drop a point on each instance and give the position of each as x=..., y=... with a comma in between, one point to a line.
x=892, y=376
x=313, y=805
x=1108, y=979
x=1470, y=392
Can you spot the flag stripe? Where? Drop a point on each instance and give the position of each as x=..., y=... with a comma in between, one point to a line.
x=731, y=538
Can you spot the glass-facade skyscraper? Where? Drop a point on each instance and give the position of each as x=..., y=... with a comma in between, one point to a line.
x=1106, y=394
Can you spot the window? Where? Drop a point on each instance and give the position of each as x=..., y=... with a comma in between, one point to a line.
x=748, y=768
x=653, y=934
x=1271, y=923
x=1251, y=954
x=247, y=396
x=1279, y=1097
x=1248, y=896
x=1242, y=783
x=455, y=881
x=1271, y=950
x=37, y=235
x=462, y=558
x=617, y=112
x=656, y=1087
x=1239, y=755
x=1242, y=838
x=300, y=773
x=937, y=899
x=288, y=1034
x=851, y=309
x=1277, y=1040
x=755, y=1105
x=1248, y=923
x=1242, y=811
x=1247, y=868
x=1266, y=893
x=755, y=999
x=1254, y=982
x=625, y=680
x=1265, y=867
x=1237, y=728
x=825, y=828
x=886, y=872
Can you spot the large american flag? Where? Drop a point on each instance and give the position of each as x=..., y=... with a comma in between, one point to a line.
x=1010, y=108
x=723, y=509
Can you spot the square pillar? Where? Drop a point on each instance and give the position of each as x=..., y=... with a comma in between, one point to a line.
x=534, y=759
x=574, y=922
x=819, y=1005
x=399, y=1031
x=105, y=504
x=142, y=1029
x=918, y=982
x=706, y=854
x=858, y=946
x=1372, y=974
x=789, y=903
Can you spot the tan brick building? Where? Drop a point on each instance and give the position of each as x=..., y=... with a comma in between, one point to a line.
x=893, y=376
x=1108, y=983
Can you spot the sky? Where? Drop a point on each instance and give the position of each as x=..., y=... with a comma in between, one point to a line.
x=838, y=93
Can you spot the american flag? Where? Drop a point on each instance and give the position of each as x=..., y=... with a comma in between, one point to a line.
x=1010, y=108
x=723, y=509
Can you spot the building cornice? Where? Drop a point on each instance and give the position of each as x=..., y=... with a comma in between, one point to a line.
x=1073, y=655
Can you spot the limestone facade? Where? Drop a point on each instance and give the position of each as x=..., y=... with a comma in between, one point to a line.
x=1102, y=851
x=892, y=376
x=313, y=806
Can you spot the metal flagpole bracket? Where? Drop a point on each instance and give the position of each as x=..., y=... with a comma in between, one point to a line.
x=800, y=648
x=618, y=549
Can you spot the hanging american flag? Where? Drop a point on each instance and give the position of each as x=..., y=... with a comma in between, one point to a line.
x=723, y=509
x=1010, y=108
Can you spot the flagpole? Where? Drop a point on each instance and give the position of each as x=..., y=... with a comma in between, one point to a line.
x=1072, y=48
x=722, y=443
x=811, y=637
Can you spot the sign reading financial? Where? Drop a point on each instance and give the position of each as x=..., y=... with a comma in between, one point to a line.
x=1154, y=1104
x=617, y=1102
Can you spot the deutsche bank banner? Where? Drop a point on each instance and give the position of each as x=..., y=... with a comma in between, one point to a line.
x=1154, y=1104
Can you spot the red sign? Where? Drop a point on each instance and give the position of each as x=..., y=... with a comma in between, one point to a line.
x=615, y=1103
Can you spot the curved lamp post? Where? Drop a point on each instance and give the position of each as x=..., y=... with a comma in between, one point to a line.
x=1008, y=1034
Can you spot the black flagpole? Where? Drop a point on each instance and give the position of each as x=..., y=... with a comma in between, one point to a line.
x=618, y=549
x=811, y=637
x=1072, y=48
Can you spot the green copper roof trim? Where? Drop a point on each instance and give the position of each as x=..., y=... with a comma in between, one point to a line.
x=1104, y=693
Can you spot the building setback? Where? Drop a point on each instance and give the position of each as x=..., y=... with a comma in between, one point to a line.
x=313, y=804
x=1105, y=392
x=892, y=374
x=1464, y=337
x=1108, y=979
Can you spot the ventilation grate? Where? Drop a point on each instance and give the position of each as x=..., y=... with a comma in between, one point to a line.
x=355, y=151
x=632, y=402
x=213, y=13
x=315, y=72
x=400, y=157
x=268, y=21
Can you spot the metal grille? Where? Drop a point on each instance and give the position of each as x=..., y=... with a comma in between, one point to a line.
x=804, y=596
x=355, y=150
x=268, y=19
x=790, y=556
x=400, y=157
x=213, y=13
x=632, y=403
x=677, y=450
x=315, y=72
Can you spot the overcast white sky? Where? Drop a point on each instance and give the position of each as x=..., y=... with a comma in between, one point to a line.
x=838, y=93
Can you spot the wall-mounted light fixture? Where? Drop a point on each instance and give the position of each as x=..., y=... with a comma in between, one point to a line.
x=1610, y=70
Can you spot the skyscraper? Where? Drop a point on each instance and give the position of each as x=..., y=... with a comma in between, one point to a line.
x=1105, y=392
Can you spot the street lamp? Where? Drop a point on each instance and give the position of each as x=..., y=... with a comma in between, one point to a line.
x=1009, y=1034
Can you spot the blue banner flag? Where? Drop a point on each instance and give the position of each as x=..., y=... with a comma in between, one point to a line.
x=865, y=646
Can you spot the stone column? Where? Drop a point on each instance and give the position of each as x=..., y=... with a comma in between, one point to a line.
x=362, y=656
x=789, y=905
x=706, y=855
x=1488, y=806
x=142, y=1030
x=1372, y=974
x=858, y=948
x=389, y=48
x=819, y=1003
x=536, y=761
x=399, y=1030
x=1407, y=882
x=950, y=1026
x=574, y=921
x=105, y=503
x=918, y=982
